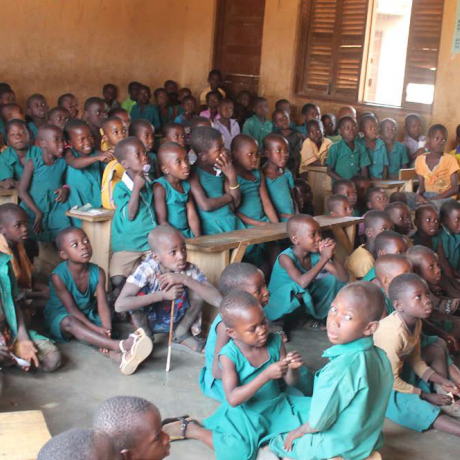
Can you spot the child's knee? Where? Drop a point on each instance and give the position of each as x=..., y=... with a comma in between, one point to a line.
x=118, y=282
x=68, y=324
x=51, y=362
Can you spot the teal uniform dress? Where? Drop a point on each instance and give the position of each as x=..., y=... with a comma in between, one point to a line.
x=85, y=185
x=345, y=162
x=251, y=204
x=284, y=291
x=280, y=191
x=378, y=157
x=86, y=302
x=451, y=245
x=348, y=405
x=131, y=235
x=33, y=128
x=150, y=113
x=45, y=181
x=242, y=429
x=370, y=275
x=168, y=118
x=176, y=203
x=220, y=220
x=10, y=164
x=434, y=241
x=302, y=129
x=258, y=129
x=398, y=158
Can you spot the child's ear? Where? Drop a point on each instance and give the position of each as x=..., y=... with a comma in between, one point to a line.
x=371, y=328
x=368, y=233
x=230, y=332
x=104, y=137
x=63, y=255
x=203, y=156
x=123, y=163
x=126, y=454
x=398, y=306
x=2, y=229
x=294, y=239
x=369, y=205
x=164, y=170
x=380, y=253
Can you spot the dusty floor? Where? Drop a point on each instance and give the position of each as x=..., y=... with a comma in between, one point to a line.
x=69, y=397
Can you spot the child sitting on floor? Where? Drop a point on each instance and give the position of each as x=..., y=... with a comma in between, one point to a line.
x=165, y=109
x=307, y=275
x=348, y=190
x=145, y=132
x=134, y=215
x=226, y=124
x=174, y=132
x=351, y=392
x=188, y=106
x=397, y=152
x=339, y=206
x=173, y=200
x=400, y=217
x=278, y=178
x=376, y=199
x=94, y=113
x=113, y=131
x=122, y=114
x=362, y=186
x=412, y=403
x=214, y=183
x=69, y=101
x=303, y=197
x=427, y=224
x=78, y=304
x=143, y=109
x=212, y=104
x=13, y=159
x=362, y=259
x=315, y=148
x=37, y=109
x=165, y=276
x=58, y=116
x=414, y=140
x=310, y=111
x=258, y=126
x=42, y=189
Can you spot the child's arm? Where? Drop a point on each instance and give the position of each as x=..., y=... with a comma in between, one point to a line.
x=192, y=217
x=445, y=265
x=267, y=204
x=8, y=183
x=23, y=193
x=102, y=304
x=385, y=172
x=334, y=267
x=224, y=163
x=221, y=340
x=202, y=200
x=85, y=161
x=421, y=190
x=453, y=190
x=133, y=204
x=249, y=221
x=294, y=361
x=161, y=210
x=26, y=349
x=432, y=329
x=333, y=174
x=364, y=171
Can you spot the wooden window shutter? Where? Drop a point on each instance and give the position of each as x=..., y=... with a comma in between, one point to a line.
x=424, y=38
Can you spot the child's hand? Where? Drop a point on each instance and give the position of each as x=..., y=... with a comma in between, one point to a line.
x=8, y=183
x=38, y=223
x=139, y=181
x=173, y=293
x=452, y=343
x=62, y=194
x=437, y=400
x=294, y=360
x=291, y=437
x=224, y=163
x=276, y=370
x=26, y=350
x=450, y=386
x=4, y=353
x=327, y=249
x=106, y=157
x=167, y=280
x=420, y=199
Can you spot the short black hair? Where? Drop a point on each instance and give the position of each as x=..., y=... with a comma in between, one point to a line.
x=63, y=97
x=344, y=119
x=416, y=253
x=158, y=91
x=383, y=238
x=188, y=98
x=410, y=117
x=398, y=196
x=123, y=145
x=276, y=112
x=437, y=127
x=15, y=122
x=457, y=131
x=338, y=184
x=203, y=138
x=258, y=100
x=215, y=72
x=366, y=117
x=46, y=128
x=8, y=211
x=57, y=109
x=386, y=263
x=116, y=111
x=234, y=302
x=197, y=120
x=61, y=236
x=314, y=122
x=372, y=217
x=296, y=221
x=5, y=90
x=34, y=96
x=419, y=211
x=387, y=120
x=4, y=85
x=371, y=298
x=109, y=85
x=373, y=191
x=308, y=106
x=110, y=120
x=72, y=124
x=399, y=285
x=170, y=126
x=5, y=107
x=234, y=275
x=447, y=208
x=272, y=137
x=132, y=84
x=213, y=93
x=139, y=123
x=92, y=101
x=158, y=233
x=334, y=200
x=239, y=140
x=281, y=101
x=166, y=149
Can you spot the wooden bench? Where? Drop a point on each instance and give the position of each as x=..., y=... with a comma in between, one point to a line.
x=392, y=186
x=8, y=195
x=22, y=434
x=321, y=186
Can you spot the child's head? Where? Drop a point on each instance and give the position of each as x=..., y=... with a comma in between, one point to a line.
x=50, y=139
x=113, y=131
x=457, y=134
x=79, y=136
x=95, y=111
x=69, y=101
x=122, y=114
x=144, y=131
x=388, y=130
x=144, y=95
x=436, y=139
x=389, y=242
x=389, y=266
x=58, y=116
x=226, y=109
x=208, y=144
x=339, y=206
x=244, y=150
x=346, y=111
x=276, y=149
x=212, y=99
x=244, y=318
x=7, y=96
x=362, y=185
x=355, y=312
x=426, y=264
x=244, y=98
x=400, y=216
x=17, y=135
x=133, y=90
x=409, y=295
x=171, y=86
x=280, y=119
x=77, y=444
x=347, y=128
x=168, y=248
x=398, y=196
x=450, y=216
x=174, y=132
x=215, y=79
x=135, y=426
x=315, y=130
x=376, y=222
x=376, y=199
x=311, y=112
x=427, y=220
x=110, y=93
x=368, y=125
x=14, y=224
x=161, y=97
x=284, y=105
x=305, y=232
x=183, y=92
x=10, y=112
x=73, y=245
x=330, y=123
x=189, y=104
x=37, y=108
x=261, y=107
x=131, y=154
x=244, y=277
x=198, y=122
x=303, y=195
x=174, y=161
x=413, y=125
x=346, y=188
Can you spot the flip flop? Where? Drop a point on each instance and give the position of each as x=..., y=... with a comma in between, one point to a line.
x=167, y=421
x=141, y=349
x=315, y=325
x=178, y=344
x=183, y=428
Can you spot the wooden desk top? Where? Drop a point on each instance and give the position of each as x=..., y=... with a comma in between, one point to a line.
x=388, y=183
x=8, y=191
x=258, y=235
x=90, y=217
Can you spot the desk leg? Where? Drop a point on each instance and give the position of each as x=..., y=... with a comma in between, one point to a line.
x=345, y=237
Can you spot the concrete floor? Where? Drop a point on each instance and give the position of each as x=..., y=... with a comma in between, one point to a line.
x=69, y=397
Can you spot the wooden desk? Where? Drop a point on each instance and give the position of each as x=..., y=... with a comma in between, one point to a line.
x=22, y=434
x=321, y=186
x=8, y=195
x=392, y=186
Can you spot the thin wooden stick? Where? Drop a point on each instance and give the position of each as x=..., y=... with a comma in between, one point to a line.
x=171, y=330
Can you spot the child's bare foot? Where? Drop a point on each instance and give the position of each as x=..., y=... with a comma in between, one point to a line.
x=182, y=429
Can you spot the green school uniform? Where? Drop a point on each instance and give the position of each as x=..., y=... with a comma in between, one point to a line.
x=176, y=203
x=165, y=119
x=45, y=181
x=302, y=129
x=284, y=291
x=398, y=158
x=280, y=191
x=86, y=302
x=451, y=245
x=251, y=204
x=370, y=275
x=33, y=128
x=128, y=104
x=131, y=235
x=334, y=139
x=10, y=164
x=220, y=220
x=378, y=157
x=150, y=113
x=434, y=241
x=257, y=129
x=2, y=128
x=270, y=412
x=348, y=405
x=345, y=162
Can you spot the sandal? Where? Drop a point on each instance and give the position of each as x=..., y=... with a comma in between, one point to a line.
x=141, y=349
x=184, y=423
x=189, y=344
x=167, y=421
x=315, y=325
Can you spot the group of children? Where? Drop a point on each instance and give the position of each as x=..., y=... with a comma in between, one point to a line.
x=390, y=308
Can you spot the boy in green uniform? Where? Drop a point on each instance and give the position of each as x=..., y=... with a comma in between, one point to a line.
x=351, y=393
x=69, y=101
x=37, y=109
x=258, y=126
x=397, y=152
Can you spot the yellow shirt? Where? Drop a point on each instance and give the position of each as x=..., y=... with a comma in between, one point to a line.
x=359, y=263
x=310, y=153
x=206, y=91
x=438, y=180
